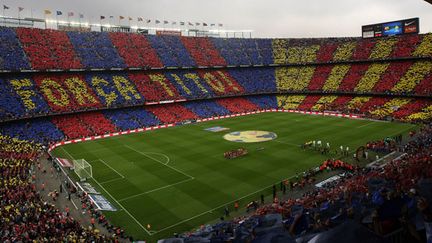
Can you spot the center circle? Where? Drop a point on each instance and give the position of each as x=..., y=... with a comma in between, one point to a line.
x=250, y=136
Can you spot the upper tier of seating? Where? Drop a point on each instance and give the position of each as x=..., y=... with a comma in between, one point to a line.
x=37, y=49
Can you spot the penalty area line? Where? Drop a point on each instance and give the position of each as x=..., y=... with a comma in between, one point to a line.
x=165, y=164
x=119, y=204
x=122, y=207
x=105, y=163
x=112, y=180
x=154, y=190
x=162, y=154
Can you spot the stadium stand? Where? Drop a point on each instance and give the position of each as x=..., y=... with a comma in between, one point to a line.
x=25, y=216
x=207, y=108
x=381, y=78
x=48, y=49
x=171, y=51
x=131, y=118
x=11, y=52
x=203, y=51
x=135, y=50
x=172, y=113
x=96, y=50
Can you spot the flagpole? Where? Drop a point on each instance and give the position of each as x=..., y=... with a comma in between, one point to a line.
x=4, y=17
x=19, y=17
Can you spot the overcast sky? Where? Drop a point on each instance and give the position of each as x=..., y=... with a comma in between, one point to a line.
x=268, y=18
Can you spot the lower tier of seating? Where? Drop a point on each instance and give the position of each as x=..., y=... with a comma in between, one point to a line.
x=64, y=127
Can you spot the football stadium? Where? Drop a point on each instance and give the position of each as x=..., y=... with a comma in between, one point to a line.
x=178, y=131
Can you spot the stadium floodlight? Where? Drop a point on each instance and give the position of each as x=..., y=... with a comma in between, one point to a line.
x=83, y=169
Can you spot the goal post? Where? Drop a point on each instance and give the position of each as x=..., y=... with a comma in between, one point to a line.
x=83, y=169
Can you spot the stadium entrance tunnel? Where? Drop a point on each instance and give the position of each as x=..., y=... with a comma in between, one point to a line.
x=250, y=136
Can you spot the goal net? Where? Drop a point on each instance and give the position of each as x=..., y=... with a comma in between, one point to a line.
x=83, y=169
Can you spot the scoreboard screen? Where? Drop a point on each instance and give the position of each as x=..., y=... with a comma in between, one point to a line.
x=400, y=27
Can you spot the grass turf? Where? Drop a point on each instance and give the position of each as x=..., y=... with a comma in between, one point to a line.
x=177, y=178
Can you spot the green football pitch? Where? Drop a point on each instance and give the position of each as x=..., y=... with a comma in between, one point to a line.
x=176, y=179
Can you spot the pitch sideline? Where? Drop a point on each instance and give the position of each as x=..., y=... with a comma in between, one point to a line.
x=213, y=209
x=154, y=190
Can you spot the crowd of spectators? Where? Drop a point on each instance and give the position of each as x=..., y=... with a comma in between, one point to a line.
x=24, y=215
x=416, y=73
x=135, y=50
x=48, y=49
x=53, y=49
x=72, y=126
x=171, y=51
x=84, y=125
x=12, y=56
x=424, y=47
x=237, y=105
x=21, y=152
x=203, y=52
x=389, y=107
x=95, y=50
x=331, y=164
x=424, y=115
x=322, y=209
x=26, y=95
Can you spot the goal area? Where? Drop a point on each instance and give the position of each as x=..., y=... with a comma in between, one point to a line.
x=83, y=169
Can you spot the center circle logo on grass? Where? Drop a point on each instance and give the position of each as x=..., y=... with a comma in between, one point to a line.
x=250, y=136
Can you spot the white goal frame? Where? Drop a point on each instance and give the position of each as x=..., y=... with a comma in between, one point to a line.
x=83, y=169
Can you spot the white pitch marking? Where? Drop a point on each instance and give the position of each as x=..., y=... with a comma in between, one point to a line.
x=181, y=172
x=99, y=149
x=101, y=160
x=70, y=156
x=109, y=181
x=213, y=209
x=164, y=155
x=73, y=203
x=278, y=141
x=364, y=125
x=154, y=190
x=123, y=208
x=118, y=203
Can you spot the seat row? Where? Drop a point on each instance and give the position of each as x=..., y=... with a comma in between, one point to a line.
x=33, y=95
x=65, y=127
x=29, y=48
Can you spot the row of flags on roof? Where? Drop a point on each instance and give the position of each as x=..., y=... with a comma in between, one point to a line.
x=5, y=7
x=48, y=12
